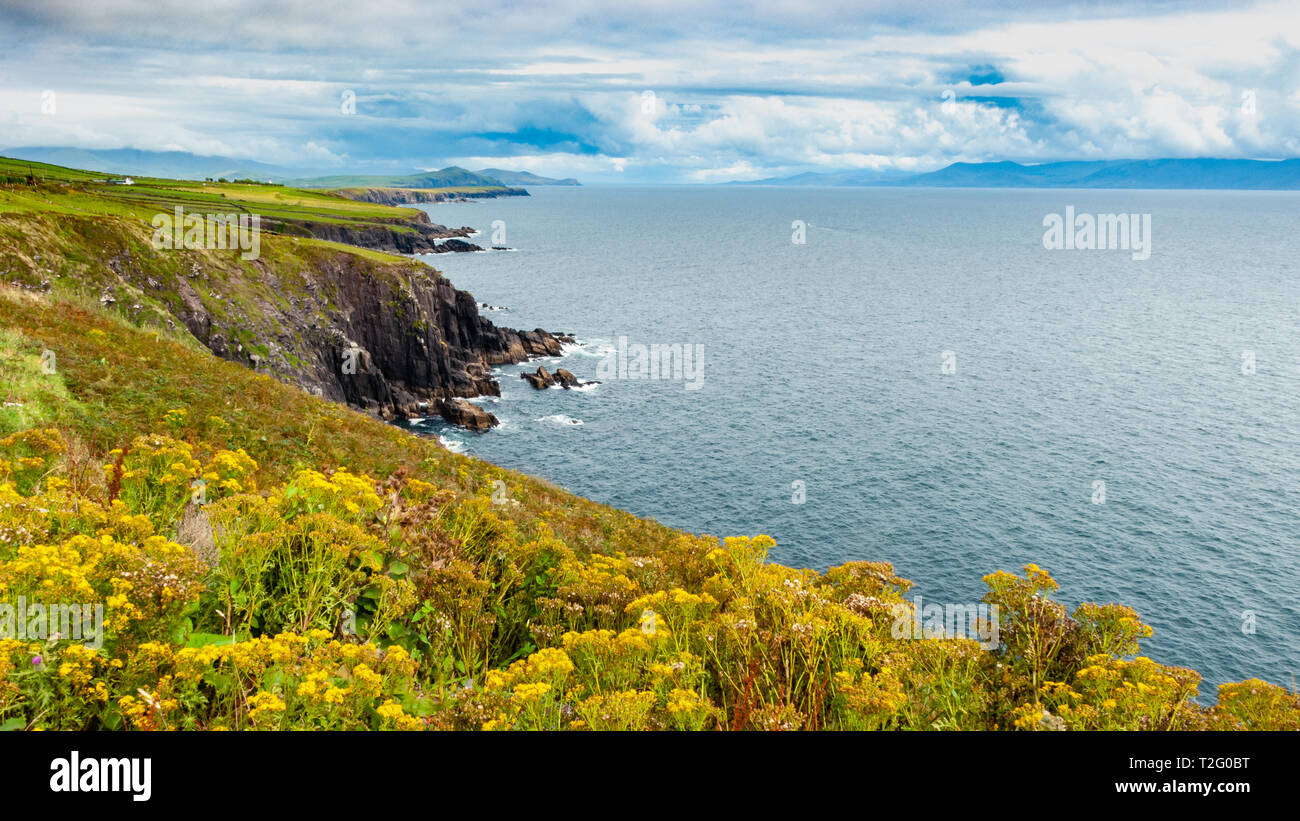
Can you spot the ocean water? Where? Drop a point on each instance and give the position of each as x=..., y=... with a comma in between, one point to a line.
x=824, y=363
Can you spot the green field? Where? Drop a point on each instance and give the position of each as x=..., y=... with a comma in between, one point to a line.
x=70, y=191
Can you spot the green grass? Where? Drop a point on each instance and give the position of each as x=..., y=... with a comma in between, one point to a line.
x=32, y=391
x=71, y=191
x=10, y=167
x=144, y=201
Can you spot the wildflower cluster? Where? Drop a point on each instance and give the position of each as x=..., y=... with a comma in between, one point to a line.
x=334, y=600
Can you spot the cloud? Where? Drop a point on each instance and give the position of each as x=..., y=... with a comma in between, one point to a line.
x=746, y=89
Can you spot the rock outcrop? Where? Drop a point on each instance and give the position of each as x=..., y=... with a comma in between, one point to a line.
x=466, y=414
x=416, y=235
x=394, y=345
x=542, y=379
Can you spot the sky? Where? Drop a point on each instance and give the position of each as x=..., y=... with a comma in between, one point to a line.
x=676, y=91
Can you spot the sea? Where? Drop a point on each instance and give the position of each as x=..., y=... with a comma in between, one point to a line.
x=917, y=376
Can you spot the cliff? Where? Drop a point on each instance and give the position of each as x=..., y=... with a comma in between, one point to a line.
x=406, y=196
x=416, y=234
x=385, y=334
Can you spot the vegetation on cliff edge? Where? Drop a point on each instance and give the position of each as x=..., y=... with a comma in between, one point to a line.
x=266, y=559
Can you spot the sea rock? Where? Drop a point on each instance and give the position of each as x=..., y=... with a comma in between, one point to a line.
x=540, y=380
x=543, y=378
x=454, y=245
x=466, y=414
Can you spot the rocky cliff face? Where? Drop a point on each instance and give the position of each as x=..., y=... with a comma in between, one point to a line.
x=417, y=235
x=388, y=335
x=394, y=347
x=388, y=338
x=405, y=196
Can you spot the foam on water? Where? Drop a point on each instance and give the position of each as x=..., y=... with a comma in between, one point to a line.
x=453, y=445
x=559, y=419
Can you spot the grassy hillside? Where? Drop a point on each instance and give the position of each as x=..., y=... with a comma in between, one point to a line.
x=71, y=191
x=85, y=247
x=267, y=559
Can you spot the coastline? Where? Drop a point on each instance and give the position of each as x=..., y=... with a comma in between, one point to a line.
x=576, y=578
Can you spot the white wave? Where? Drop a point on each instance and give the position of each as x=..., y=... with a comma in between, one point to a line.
x=453, y=445
x=590, y=347
x=560, y=419
x=505, y=425
x=557, y=386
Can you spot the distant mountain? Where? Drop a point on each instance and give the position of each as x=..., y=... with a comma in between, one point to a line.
x=1170, y=174
x=523, y=177
x=179, y=165
x=1241, y=174
x=1180, y=173
x=450, y=177
x=845, y=178
x=1011, y=175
